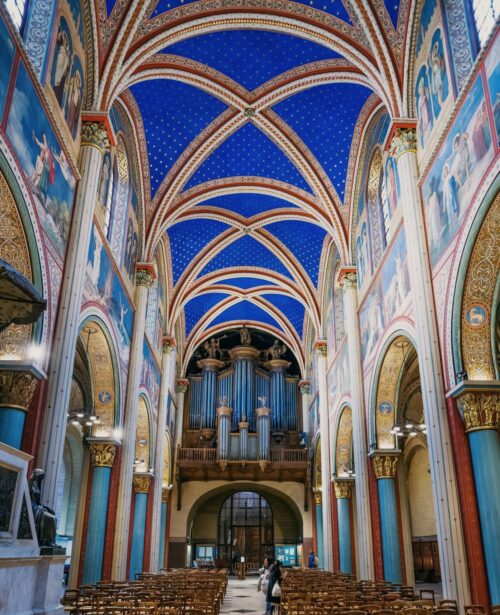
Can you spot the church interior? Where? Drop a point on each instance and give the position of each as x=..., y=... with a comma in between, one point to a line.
x=249, y=307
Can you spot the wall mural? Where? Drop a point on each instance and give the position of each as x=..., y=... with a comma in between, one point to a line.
x=6, y=59
x=338, y=376
x=455, y=174
x=150, y=376
x=67, y=69
x=44, y=163
x=492, y=68
x=131, y=239
x=103, y=286
x=433, y=95
x=386, y=297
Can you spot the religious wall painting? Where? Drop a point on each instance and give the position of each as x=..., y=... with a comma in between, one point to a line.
x=105, y=191
x=103, y=286
x=433, y=94
x=6, y=59
x=455, y=174
x=150, y=375
x=131, y=245
x=492, y=68
x=42, y=159
x=338, y=376
x=363, y=258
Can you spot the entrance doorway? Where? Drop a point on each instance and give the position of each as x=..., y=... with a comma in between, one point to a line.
x=245, y=529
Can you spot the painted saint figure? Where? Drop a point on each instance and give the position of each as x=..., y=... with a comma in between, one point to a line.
x=62, y=65
x=44, y=174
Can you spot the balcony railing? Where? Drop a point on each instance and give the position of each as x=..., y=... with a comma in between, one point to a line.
x=198, y=454
x=289, y=455
x=204, y=455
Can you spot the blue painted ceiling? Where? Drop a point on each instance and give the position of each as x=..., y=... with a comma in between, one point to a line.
x=293, y=309
x=197, y=307
x=247, y=204
x=245, y=311
x=246, y=283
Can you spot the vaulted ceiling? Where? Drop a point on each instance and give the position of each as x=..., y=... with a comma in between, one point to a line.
x=252, y=114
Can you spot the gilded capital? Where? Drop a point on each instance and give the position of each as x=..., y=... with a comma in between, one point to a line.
x=385, y=466
x=182, y=385
x=17, y=388
x=321, y=348
x=305, y=387
x=102, y=454
x=480, y=409
x=165, y=494
x=94, y=134
x=343, y=489
x=142, y=483
x=318, y=498
x=168, y=344
x=403, y=141
x=145, y=275
x=224, y=411
x=347, y=277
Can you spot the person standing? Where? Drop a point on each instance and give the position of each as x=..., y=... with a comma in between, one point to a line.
x=265, y=573
x=274, y=580
x=313, y=560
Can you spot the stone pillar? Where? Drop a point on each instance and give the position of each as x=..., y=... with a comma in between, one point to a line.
x=209, y=368
x=165, y=495
x=180, y=388
x=224, y=429
x=244, y=358
x=318, y=509
x=343, y=493
x=141, y=484
x=481, y=414
x=305, y=391
x=277, y=369
x=168, y=355
x=102, y=457
x=243, y=426
x=320, y=347
x=17, y=388
x=145, y=276
x=264, y=433
x=364, y=546
x=385, y=466
x=93, y=144
x=450, y=537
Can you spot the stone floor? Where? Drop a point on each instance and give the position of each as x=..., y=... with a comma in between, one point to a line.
x=243, y=597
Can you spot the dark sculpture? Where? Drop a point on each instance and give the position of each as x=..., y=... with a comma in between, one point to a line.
x=45, y=517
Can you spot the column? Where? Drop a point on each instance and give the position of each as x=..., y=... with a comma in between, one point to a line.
x=450, y=537
x=144, y=278
x=244, y=358
x=343, y=493
x=481, y=414
x=243, y=426
x=209, y=368
x=165, y=494
x=305, y=391
x=224, y=430
x=264, y=435
x=385, y=471
x=277, y=369
x=102, y=456
x=168, y=355
x=320, y=348
x=180, y=388
x=93, y=144
x=364, y=545
x=17, y=388
x=141, y=484
x=318, y=509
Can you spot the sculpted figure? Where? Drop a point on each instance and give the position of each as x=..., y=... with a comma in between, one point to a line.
x=245, y=336
x=45, y=517
x=277, y=350
x=212, y=348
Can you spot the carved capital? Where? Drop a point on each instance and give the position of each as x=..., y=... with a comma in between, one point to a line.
x=347, y=277
x=165, y=494
x=94, y=134
x=385, y=466
x=305, y=387
x=182, y=385
x=403, y=141
x=321, y=348
x=480, y=409
x=145, y=275
x=318, y=498
x=102, y=454
x=17, y=388
x=224, y=411
x=343, y=489
x=168, y=344
x=142, y=483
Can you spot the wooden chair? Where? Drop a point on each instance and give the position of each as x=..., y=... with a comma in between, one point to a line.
x=472, y=609
x=430, y=593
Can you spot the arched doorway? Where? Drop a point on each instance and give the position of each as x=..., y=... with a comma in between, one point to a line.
x=245, y=528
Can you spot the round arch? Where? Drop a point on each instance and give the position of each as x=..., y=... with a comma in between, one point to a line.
x=143, y=449
x=343, y=459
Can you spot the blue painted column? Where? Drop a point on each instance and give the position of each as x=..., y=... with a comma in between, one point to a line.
x=163, y=527
x=481, y=411
x=343, y=493
x=264, y=433
x=223, y=432
x=244, y=358
x=141, y=489
x=277, y=368
x=17, y=388
x=385, y=472
x=209, y=391
x=318, y=505
x=102, y=455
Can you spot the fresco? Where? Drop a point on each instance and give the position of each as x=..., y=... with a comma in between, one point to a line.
x=492, y=68
x=105, y=188
x=338, y=377
x=67, y=74
x=455, y=174
x=44, y=163
x=131, y=246
x=6, y=59
x=150, y=375
x=386, y=297
x=103, y=286
x=432, y=86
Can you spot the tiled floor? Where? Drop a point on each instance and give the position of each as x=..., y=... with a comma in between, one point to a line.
x=243, y=597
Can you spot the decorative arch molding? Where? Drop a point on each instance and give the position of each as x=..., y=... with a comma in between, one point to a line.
x=317, y=477
x=342, y=443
